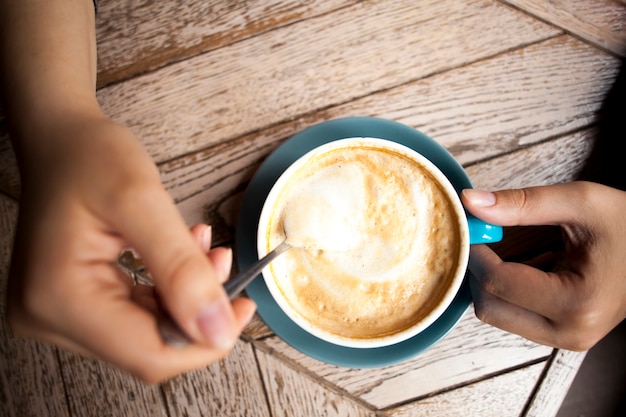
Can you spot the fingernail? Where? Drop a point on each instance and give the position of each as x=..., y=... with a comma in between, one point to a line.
x=228, y=263
x=207, y=237
x=480, y=198
x=215, y=324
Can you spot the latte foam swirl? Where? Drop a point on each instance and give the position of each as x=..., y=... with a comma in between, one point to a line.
x=315, y=218
x=377, y=242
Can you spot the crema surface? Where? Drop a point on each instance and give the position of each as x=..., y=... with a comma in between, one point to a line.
x=377, y=242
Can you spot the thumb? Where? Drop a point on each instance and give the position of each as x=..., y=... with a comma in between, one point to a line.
x=543, y=205
x=186, y=281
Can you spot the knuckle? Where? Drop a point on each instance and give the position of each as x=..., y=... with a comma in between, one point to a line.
x=521, y=199
x=577, y=340
x=136, y=193
x=482, y=311
x=150, y=369
x=586, y=191
x=32, y=315
x=17, y=319
x=489, y=283
x=180, y=268
x=149, y=376
x=581, y=333
x=28, y=310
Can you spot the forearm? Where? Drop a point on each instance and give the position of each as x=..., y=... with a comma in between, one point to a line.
x=48, y=72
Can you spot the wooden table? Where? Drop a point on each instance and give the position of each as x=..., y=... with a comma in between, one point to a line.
x=212, y=87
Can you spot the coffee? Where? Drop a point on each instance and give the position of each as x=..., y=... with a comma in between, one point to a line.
x=379, y=241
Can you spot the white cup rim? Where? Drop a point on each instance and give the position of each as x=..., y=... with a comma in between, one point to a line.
x=450, y=294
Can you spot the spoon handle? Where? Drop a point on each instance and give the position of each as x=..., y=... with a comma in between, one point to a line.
x=235, y=285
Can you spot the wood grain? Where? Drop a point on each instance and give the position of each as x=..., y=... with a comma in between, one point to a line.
x=455, y=108
x=554, y=385
x=230, y=387
x=96, y=388
x=310, y=65
x=553, y=162
x=30, y=377
x=476, y=112
x=292, y=393
x=257, y=329
x=504, y=103
x=470, y=351
x=502, y=396
x=601, y=22
x=134, y=39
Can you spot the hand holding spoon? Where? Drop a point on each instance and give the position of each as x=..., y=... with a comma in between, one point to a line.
x=309, y=227
x=237, y=284
x=170, y=331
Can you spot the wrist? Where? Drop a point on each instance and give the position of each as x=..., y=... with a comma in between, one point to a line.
x=35, y=132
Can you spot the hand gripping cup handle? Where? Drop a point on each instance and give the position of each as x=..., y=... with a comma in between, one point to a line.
x=482, y=232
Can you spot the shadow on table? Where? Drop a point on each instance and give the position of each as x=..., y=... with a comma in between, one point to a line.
x=606, y=165
x=599, y=387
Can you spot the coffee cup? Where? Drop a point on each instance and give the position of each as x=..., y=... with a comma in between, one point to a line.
x=380, y=242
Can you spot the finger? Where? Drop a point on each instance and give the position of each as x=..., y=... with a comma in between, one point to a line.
x=203, y=234
x=189, y=286
x=221, y=258
x=145, y=296
x=547, y=205
x=111, y=326
x=510, y=317
x=148, y=356
x=545, y=261
x=522, y=285
x=244, y=310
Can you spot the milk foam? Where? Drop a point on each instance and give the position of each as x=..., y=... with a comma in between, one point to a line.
x=378, y=242
x=326, y=213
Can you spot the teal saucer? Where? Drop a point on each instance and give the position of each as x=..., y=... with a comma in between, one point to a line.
x=245, y=240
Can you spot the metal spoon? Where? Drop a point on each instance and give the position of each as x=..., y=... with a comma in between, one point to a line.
x=171, y=333
x=237, y=284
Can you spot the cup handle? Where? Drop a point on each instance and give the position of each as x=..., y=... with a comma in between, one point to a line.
x=482, y=232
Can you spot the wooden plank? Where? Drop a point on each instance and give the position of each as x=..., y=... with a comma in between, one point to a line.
x=476, y=112
x=542, y=164
x=310, y=65
x=502, y=396
x=96, y=388
x=471, y=351
x=555, y=384
x=257, y=329
x=503, y=103
x=236, y=378
x=208, y=186
x=30, y=378
x=231, y=387
x=134, y=37
x=293, y=393
x=601, y=22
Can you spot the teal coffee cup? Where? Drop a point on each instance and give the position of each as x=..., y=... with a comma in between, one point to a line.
x=358, y=292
